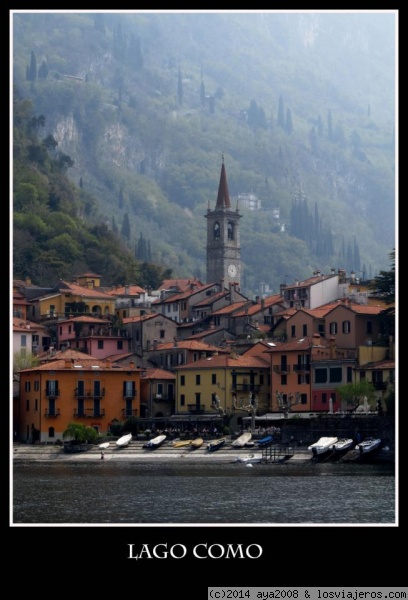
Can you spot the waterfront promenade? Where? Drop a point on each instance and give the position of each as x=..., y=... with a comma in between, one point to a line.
x=168, y=453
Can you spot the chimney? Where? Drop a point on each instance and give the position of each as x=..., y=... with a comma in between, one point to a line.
x=132, y=364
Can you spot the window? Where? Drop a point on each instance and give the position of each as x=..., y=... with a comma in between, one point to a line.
x=303, y=398
x=182, y=380
x=69, y=329
x=51, y=432
x=27, y=386
x=160, y=389
x=162, y=333
x=349, y=375
x=333, y=397
x=369, y=327
x=320, y=375
x=261, y=379
x=216, y=230
x=129, y=389
x=36, y=404
x=119, y=345
x=214, y=378
x=304, y=330
x=198, y=379
x=23, y=341
x=335, y=375
x=97, y=388
x=362, y=375
x=182, y=400
x=230, y=230
x=36, y=386
x=128, y=407
x=293, y=331
x=320, y=328
x=80, y=409
x=333, y=328
x=284, y=379
x=346, y=326
x=28, y=404
x=324, y=398
x=100, y=344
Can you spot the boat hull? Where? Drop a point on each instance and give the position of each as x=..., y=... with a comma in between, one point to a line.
x=367, y=446
x=124, y=440
x=242, y=440
x=322, y=446
x=342, y=445
x=216, y=444
x=155, y=442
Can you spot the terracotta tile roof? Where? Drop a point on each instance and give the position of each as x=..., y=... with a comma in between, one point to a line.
x=183, y=295
x=86, y=319
x=239, y=361
x=158, y=374
x=205, y=332
x=229, y=309
x=189, y=345
x=126, y=290
x=211, y=299
x=381, y=364
x=142, y=318
x=78, y=290
x=23, y=324
x=183, y=284
x=258, y=307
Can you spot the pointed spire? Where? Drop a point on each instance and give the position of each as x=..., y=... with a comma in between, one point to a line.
x=223, y=199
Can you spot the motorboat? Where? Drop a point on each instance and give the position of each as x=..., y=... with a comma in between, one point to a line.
x=322, y=445
x=368, y=445
x=265, y=441
x=342, y=445
x=242, y=440
x=104, y=445
x=181, y=443
x=196, y=443
x=124, y=440
x=251, y=459
x=216, y=444
x=155, y=442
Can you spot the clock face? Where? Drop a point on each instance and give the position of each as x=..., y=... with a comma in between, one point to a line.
x=232, y=270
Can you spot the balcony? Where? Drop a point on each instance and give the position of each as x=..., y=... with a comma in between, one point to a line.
x=281, y=369
x=89, y=393
x=129, y=395
x=52, y=393
x=129, y=413
x=50, y=414
x=195, y=409
x=89, y=413
x=301, y=368
x=246, y=387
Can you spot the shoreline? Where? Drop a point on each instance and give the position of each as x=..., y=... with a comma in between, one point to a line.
x=168, y=454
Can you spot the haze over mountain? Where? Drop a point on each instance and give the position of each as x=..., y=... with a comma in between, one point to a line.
x=300, y=104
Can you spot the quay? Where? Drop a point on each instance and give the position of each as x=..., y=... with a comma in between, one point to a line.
x=273, y=454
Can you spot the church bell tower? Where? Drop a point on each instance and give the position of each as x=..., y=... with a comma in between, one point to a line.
x=223, y=238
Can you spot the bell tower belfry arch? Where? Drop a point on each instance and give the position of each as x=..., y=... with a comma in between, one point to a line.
x=223, y=238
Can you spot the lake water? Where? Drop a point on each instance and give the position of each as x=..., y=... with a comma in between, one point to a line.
x=218, y=494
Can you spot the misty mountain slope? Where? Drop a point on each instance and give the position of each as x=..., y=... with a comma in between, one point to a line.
x=146, y=104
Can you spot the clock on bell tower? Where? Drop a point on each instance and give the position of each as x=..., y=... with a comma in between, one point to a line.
x=223, y=238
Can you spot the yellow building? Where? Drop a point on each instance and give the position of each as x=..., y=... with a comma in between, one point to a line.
x=220, y=383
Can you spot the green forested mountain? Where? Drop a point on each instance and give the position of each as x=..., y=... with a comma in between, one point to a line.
x=136, y=110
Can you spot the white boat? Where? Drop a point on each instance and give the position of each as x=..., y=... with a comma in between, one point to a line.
x=155, y=442
x=242, y=440
x=124, y=440
x=251, y=459
x=368, y=445
x=104, y=445
x=342, y=445
x=322, y=445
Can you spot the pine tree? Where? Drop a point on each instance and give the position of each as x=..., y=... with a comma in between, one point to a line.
x=180, y=88
x=329, y=126
x=289, y=124
x=43, y=70
x=125, y=230
x=281, y=114
x=31, y=72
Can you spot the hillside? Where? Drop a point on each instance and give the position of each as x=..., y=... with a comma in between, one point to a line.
x=145, y=104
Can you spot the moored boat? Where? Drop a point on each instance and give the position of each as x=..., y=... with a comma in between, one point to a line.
x=124, y=440
x=216, y=444
x=265, y=441
x=155, y=442
x=251, y=459
x=196, y=443
x=242, y=440
x=104, y=445
x=342, y=445
x=368, y=445
x=323, y=445
x=181, y=443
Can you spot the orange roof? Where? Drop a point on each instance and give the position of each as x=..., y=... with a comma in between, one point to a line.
x=126, y=290
x=158, y=374
x=188, y=345
x=230, y=308
x=79, y=290
x=258, y=306
x=237, y=361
